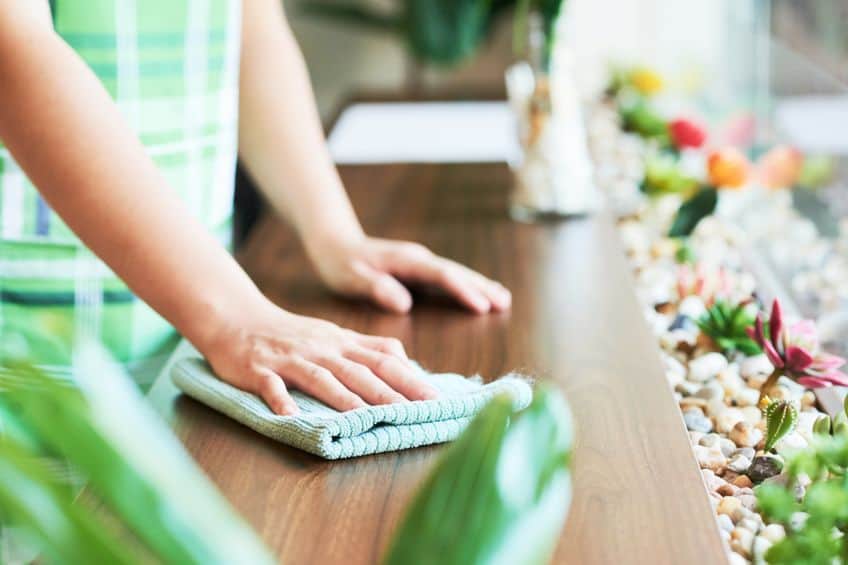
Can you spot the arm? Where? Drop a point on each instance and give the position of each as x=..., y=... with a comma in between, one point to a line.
x=68, y=136
x=282, y=144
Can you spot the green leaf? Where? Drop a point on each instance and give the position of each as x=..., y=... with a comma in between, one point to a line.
x=499, y=494
x=701, y=205
x=822, y=426
x=107, y=432
x=776, y=502
x=684, y=254
x=353, y=13
x=550, y=11
x=33, y=501
x=781, y=417
x=446, y=31
x=641, y=119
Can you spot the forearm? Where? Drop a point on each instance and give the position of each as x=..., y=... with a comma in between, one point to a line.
x=280, y=136
x=68, y=136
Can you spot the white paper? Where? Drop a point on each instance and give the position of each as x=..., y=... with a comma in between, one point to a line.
x=425, y=132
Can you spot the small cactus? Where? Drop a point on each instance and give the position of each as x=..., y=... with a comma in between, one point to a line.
x=781, y=417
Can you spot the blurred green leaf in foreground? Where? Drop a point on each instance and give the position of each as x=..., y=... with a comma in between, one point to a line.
x=500, y=493
x=145, y=500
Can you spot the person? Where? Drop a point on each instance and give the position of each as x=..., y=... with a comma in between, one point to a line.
x=127, y=117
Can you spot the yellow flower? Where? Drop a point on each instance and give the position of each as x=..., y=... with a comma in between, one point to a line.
x=646, y=81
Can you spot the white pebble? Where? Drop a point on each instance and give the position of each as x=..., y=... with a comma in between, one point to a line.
x=706, y=367
x=758, y=365
x=774, y=532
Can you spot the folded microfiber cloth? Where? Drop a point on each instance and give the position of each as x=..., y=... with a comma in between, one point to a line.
x=332, y=434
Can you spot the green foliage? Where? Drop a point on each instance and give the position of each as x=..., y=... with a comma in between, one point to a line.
x=822, y=426
x=664, y=176
x=817, y=523
x=640, y=118
x=442, y=32
x=817, y=171
x=727, y=324
x=701, y=205
x=500, y=493
x=781, y=418
x=549, y=12
x=142, y=487
x=684, y=254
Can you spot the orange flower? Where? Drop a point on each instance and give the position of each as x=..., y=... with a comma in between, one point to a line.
x=728, y=168
x=780, y=167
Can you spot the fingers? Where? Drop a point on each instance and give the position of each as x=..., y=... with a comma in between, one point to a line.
x=416, y=261
x=383, y=288
x=361, y=380
x=271, y=388
x=318, y=381
x=394, y=372
x=388, y=345
x=447, y=275
x=499, y=296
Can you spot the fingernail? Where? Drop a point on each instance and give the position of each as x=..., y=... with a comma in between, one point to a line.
x=430, y=393
x=403, y=303
x=290, y=409
x=504, y=298
x=398, y=301
x=481, y=304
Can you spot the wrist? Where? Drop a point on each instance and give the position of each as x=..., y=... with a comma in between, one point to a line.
x=328, y=239
x=216, y=320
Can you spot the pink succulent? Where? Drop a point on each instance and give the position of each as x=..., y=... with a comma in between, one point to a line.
x=702, y=282
x=795, y=352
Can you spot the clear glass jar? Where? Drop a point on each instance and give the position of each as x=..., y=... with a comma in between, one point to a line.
x=553, y=174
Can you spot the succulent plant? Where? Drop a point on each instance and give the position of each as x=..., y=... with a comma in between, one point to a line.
x=663, y=175
x=702, y=204
x=727, y=325
x=640, y=118
x=642, y=80
x=821, y=536
x=795, y=353
x=781, y=418
x=687, y=133
x=780, y=167
x=821, y=426
x=728, y=168
x=685, y=254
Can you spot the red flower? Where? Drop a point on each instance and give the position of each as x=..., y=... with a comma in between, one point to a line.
x=687, y=132
x=794, y=352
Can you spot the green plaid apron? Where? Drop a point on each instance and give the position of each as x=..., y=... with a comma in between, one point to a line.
x=172, y=67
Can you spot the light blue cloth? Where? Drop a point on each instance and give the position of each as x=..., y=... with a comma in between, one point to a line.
x=331, y=434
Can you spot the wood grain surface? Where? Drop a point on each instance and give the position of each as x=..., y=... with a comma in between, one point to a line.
x=638, y=496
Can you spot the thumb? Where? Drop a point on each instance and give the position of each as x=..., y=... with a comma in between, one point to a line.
x=383, y=289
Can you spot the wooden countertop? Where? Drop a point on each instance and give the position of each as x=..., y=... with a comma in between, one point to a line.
x=638, y=496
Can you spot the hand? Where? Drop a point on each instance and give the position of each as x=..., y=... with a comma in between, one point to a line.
x=266, y=350
x=374, y=268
